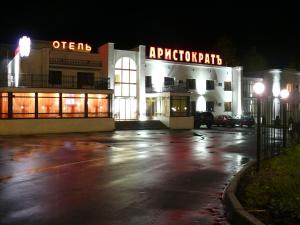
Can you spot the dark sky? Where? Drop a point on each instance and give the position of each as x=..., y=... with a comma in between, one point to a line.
x=274, y=31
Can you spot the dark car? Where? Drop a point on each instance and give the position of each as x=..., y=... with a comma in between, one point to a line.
x=224, y=120
x=203, y=118
x=245, y=120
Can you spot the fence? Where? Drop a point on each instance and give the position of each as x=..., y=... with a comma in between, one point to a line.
x=65, y=81
x=280, y=124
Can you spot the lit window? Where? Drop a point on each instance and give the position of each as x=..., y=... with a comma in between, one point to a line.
x=179, y=106
x=125, y=77
x=289, y=87
x=98, y=105
x=48, y=105
x=23, y=105
x=227, y=106
x=73, y=105
x=3, y=105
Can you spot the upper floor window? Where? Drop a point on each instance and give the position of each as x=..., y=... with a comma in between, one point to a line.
x=125, y=77
x=210, y=85
x=191, y=84
x=289, y=87
x=227, y=86
x=148, y=81
x=85, y=79
x=168, y=81
x=55, y=77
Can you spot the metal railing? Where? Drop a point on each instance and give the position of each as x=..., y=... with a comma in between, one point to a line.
x=182, y=87
x=75, y=62
x=66, y=81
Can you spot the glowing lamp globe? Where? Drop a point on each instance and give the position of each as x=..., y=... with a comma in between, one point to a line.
x=24, y=46
x=284, y=93
x=259, y=88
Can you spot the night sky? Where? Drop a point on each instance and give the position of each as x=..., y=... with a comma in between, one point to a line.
x=274, y=32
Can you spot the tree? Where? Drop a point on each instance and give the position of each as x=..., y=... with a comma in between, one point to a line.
x=253, y=60
x=225, y=46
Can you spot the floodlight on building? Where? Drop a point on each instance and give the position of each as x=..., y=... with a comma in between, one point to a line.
x=24, y=46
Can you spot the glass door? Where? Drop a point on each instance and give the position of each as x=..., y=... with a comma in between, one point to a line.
x=125, y=109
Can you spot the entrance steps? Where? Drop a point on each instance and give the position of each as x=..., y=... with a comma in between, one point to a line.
x=140, y=125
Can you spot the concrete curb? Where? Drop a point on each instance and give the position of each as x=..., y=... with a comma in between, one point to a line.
x=235, y=212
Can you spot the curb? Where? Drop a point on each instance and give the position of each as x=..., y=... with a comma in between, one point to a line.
x=235, y=212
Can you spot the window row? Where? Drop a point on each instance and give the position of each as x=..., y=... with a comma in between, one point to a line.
x=84, y=79
x=210, y=106
x=53, y=105
x=210, y=85
x=190, y=83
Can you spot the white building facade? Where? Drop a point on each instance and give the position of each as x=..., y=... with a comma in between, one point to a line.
x=170, y=86
x=145, y=83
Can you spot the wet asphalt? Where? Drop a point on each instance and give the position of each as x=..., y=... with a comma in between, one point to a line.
x=143, y=177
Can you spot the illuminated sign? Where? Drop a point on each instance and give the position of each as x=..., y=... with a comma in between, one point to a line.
x=179, y=55
x=24, y=46
x=81, y=47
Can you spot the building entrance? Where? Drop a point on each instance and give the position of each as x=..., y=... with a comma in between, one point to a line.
x=151, y=107
x=125, y=108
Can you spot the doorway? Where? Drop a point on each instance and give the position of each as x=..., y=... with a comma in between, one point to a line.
x=125, y=109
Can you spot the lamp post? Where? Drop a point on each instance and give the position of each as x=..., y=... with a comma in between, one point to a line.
x=284, y=94
x=258, y=88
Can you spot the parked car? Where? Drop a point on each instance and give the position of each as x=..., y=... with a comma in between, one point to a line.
x=203, y=118
x=224, y=120
x=244, y=120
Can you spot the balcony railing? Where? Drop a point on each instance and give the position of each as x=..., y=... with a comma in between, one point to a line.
x=66, y=81
x=182, y=87
x=75, y=62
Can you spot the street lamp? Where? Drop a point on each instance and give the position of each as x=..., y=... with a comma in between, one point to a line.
x=284, y=94
x=258, y=88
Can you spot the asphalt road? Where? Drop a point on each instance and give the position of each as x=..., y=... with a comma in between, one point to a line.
x=158, y=177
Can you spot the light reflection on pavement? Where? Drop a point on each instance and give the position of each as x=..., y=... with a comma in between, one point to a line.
x=157, y=177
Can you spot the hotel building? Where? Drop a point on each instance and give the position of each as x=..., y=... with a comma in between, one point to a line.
x=63, y=87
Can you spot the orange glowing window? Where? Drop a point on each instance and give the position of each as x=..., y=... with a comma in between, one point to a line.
x=98, y=105
x=23, y=105
x=3, y=105
x=48, y=105
x=289, y=87
x=73, y=105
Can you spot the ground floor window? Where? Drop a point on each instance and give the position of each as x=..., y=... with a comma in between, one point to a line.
x=23, y=105
x=73, y=105
x=98, y=105
x=54, y=105
x=48, y=105
x=179, y=106
x=157, y=106
x=210, y=106
x=227, y=106
x=3, y=105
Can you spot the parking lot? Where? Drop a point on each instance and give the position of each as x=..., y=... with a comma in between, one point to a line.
x=124, y=177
